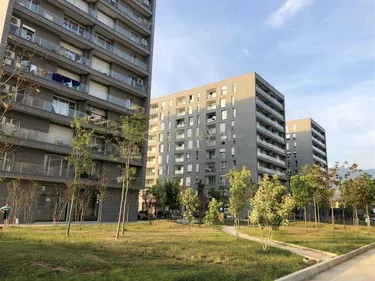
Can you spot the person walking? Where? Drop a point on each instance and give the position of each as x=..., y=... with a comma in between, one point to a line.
x=6, y=210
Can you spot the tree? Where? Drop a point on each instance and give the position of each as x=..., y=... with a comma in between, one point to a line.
x=301, y=191
x=271, y=207
x=334, y=183
x=191, y=202
x=30, y=202
x=62, y=199
x=80, y=158
x=102, y=188
x=366, y=187
x=128, y=138
x=158, y=193
x=212, y=214
x=149, y=200
x=241, y=191
x=172, y=201
x=83, y=198
x=220, y=194
x=202, y=200
x=15, y=199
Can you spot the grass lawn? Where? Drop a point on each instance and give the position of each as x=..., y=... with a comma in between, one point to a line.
x=161, y=251
x=320, y=238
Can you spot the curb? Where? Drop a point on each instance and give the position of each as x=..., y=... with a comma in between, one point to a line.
x=314, y=270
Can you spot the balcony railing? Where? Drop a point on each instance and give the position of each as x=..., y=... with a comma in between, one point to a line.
x=267, y=96
x=211, y=96
x=180, y=125
x=146, y=4
x=270, y=171
x=270, y=145
x=210, y=143
x=319, y=159
x=180, y=159
x=318, y=142
x=179, y=137
x=61, y=21
x=181, y=113
x=269, y=120
x=319, y=151
x=211, y=107
x=142, y=21
x=263, y=129
x=180, y=148
x=210, y=157
x=271, y=158
x=269, y=109
x=319, y=134
x=179, y=172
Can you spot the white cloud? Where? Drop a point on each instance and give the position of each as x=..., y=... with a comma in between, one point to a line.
x=287, y=11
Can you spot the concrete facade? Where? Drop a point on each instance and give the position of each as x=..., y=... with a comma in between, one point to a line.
x=87, y=59
x=306, y=144
x=201, y=133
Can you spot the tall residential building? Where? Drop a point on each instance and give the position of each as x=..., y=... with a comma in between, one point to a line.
x=92, y=58
x=201, y=133
x=306, y=144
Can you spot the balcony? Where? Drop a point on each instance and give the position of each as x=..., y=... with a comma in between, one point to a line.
x=319, y=160
x=211, y=131
x=139, y=20
x=270, y=121
x=211, y=95
x=270, y=171
x=317, y=133
x=210, y=142
x=180, y=124
x=211, y=106
x=270, y=145
x=145, y=4
x=180, y=136
x=181, y=113
x=268, y=97
x=179, y=159
x=269, y=109
x=319, y=151
x=153, y=129
x=270, y=133
x=179, y=172
x=151, y=161
x=180, y=147
x=273, y=159
x=318, y=142
x=181, y=102
x=210, y=169
x=210, y=156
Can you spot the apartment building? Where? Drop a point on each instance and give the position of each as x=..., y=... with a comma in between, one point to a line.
x=93, y=59
x=305, y=144
x=201, y=133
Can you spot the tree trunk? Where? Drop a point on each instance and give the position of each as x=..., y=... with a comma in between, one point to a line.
x=356, y=221
x=333, y=223
x=318, y=208
x=343, y=218
x=70, y=214
x=316, y=222
x=368, y=220
x=305, y=215
x=125, y=213
x=100, y=212
x=120, y=210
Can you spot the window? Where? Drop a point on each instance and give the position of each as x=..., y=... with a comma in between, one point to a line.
x=190, y=110
x=223, y=90
x=294, y=127
x=190, y=144
x=222, y=152
x=234, y=88
x=105, y=43
x=196, y=155
x=168, y=136
x=232, y=100
x=167, y=170
x=188, y=181
x=222, y=179
x=167, y=158
x=160, y=171
x=197, y=133
x=232, y=151
x=232, y=123
x=287, y=146
x=162, y=126
x=161, y=116
x=188, y=155
x=223, y=115
x=223, y=139
x=196, y=179
x=163, y=105
x=189, y=133
x=169, y=125
x=198, y=96
x=294, y=136
x=161, y=148
x=222, y=127
x=160, y=159
x=198, y=143
x=222, y=103
x=28, y=33
x=161, y=137
x=223, y=165
x=198, y=119
x=73, y=27
x=11, y=122
x=287, y=136
x=234, y=138
x=169, y=147
x=197, y=168
x=191, y=98
x=198, y=107
x=295, y=145
x=33, y=6
x=234, y=113
x=170, y=103
x=234, y=163
x=190, y=168
x=191, y=121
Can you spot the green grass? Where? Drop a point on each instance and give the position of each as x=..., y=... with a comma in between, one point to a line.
x=162, y=251
x=320, y=238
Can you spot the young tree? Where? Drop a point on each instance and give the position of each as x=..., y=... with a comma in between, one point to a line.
x=366, y=187
x=128, y=138
x=271, y=207
x=212, y=214
x=241, y=191
x=172, y=201
x=149, y=200
x=62, y=200
x=83, y=199
x=80, y=158
x=301, y=191
x=202, y=200
x=158, y=193
x=334, y=183
x=191, y=202
x=220, y=194
x=30, y=201
x=15, y=199
x=102, y=188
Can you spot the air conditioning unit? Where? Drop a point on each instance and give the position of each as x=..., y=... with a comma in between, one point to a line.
x=5, y=88
x=9, y=57
x=140, y=81
x=15, y=21
x=144, y=42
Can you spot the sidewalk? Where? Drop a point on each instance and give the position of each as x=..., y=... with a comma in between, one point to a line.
x=302, y=251
x=359, y=268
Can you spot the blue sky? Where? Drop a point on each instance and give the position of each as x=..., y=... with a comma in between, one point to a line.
x=318, y=53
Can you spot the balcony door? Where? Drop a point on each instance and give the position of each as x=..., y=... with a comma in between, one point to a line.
x=63, y=106
x=7, y=161
x=55, y=165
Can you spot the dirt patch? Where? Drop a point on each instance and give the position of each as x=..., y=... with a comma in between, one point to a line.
x=49, y=267
x=97, y=259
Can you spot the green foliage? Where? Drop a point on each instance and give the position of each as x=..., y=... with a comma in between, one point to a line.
x=212, y=214
x=202, y=200
x=172, y=196
x=220, y=194
x=191, y=202
x=300, y=188
x=241, y=190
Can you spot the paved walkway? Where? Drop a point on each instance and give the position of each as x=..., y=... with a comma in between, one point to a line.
x=299, y=250
x=359, y=268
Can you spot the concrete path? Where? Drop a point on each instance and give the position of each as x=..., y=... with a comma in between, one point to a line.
x=299, y=250
x=359, y=268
